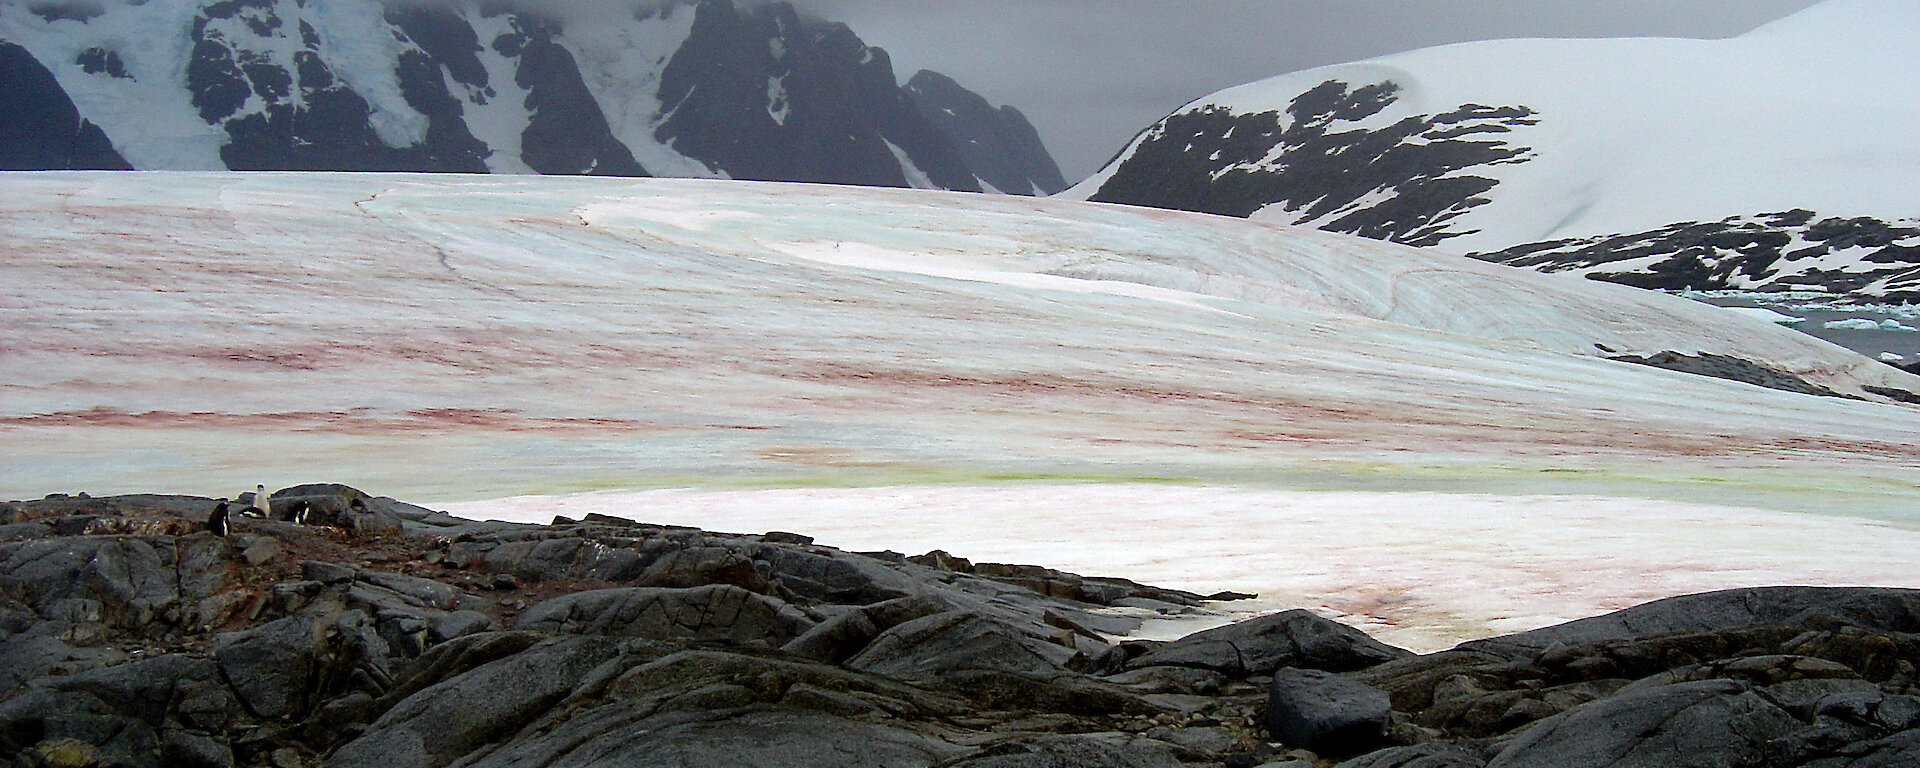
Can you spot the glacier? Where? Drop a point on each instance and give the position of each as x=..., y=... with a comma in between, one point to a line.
x=1428, y=446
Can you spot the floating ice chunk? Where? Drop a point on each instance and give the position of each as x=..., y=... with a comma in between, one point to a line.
x=1869, y=324
x=1762, y=313
x=1892, y=357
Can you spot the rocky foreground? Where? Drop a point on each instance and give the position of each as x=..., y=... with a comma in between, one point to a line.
x=382, y=634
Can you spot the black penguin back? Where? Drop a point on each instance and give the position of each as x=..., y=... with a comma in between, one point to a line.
x=217, y=522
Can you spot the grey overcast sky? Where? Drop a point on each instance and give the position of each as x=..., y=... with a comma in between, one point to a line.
x=1091, y=73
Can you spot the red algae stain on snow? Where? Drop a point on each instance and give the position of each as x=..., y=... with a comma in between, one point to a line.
x=114, y=417
x=360, y=421
x=1868, y=448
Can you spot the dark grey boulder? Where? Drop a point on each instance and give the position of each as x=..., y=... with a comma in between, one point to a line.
x=347, y=507
x=888, y=614
x=1198, y=743
x=1891, y=610
x=1192, y=681
x=444, y=721
x=460, y=624
x=328, y=573
x=554, y=556
x=40, y=653
x=696, y=566
x=1436, y=755
x=153, y=712
x=273, y=666
x=133, y=580
x=836, y=639
x=32, y=529
x=1901, y=750
x=838, y=578
x=1088, y=750
x=842, y=636
x=456, y=657
x=705, y=707
x=425, y=593
x=1056, y=692
x=193, y=508
x=670, y=678
x=757, y=737
x=718, y=612
x=1706, y=724
x=1295, y=638
x=957, y=640
x=1332, y=715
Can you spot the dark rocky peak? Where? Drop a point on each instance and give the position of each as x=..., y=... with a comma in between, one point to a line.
x=63, y=10
x=1334, y=101
x=103, y=61
x=758, y=93
x=443, y=37
x=566, y=131
x=42, y=129
x=1404, y=182
x=999, y=145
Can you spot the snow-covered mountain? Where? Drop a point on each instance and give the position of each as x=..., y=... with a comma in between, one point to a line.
x=1781, y=159
x=715, y=88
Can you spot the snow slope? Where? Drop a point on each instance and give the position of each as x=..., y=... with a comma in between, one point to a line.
x=718, y=329
x=1419, y=570
x=1616, y=136
x=1024, y=364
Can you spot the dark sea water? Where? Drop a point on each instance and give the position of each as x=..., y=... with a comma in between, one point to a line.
x=1817, y=311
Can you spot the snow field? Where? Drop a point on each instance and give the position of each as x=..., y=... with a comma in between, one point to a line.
x=463, y=338
x=1419, y=570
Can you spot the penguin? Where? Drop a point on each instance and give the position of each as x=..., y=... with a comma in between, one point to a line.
x=297, y=512
x=262, y=503
x=217, y=522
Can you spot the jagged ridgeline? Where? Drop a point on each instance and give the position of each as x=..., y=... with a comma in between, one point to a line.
x=717, y=88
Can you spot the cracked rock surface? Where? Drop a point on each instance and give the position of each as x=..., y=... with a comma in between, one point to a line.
x=386, y=634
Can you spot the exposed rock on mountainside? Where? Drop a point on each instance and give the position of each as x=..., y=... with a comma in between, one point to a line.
x=758, y=93
x=1403, y=182
x=42, y=129
x=1001, y=147
x=709, y=88
x=1791, y=250
x=384, y=634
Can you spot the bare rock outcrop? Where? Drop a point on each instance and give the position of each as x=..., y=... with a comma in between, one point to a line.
x=380, y=633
